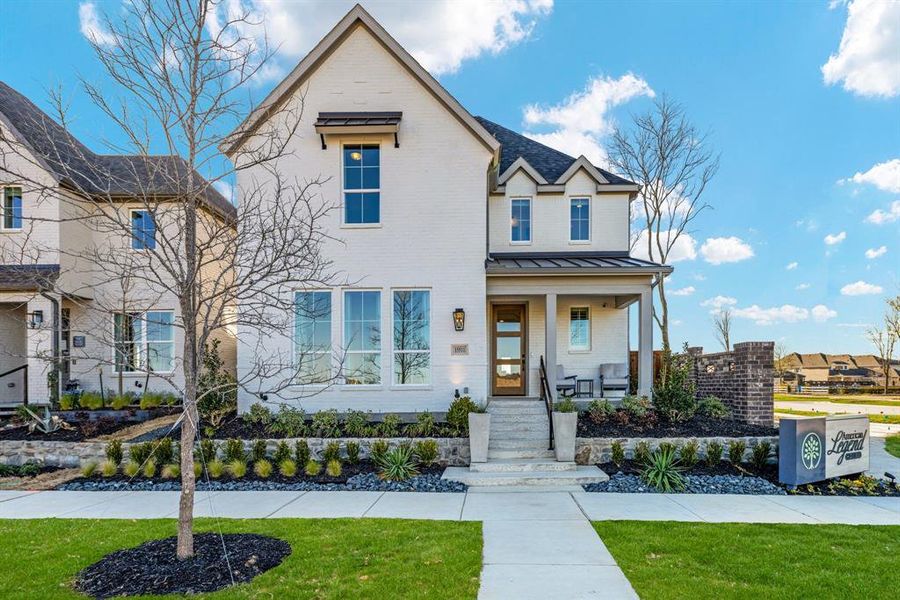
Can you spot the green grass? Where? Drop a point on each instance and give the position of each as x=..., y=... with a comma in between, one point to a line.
x=892, y=445
x=887, y=419
x=331, y=558
x=890, y=401
x=753, y=561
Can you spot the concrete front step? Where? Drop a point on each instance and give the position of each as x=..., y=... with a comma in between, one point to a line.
x=521, y=465
x=511, y=436
x=580, y=476
x=529, y=453
x=519, y=443
x=517, y=410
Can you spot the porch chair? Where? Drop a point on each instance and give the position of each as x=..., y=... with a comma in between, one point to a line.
x=565, y=384
x=613, y=376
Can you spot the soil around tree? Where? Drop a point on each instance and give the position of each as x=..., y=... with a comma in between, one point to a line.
x=152, y=567
x=697, y=426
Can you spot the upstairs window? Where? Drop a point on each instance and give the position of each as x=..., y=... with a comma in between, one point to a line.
x=11, y=211
x=520, y=220
x=143, y=230
x=145, y=341
x=362, y=184
x=579, y=328
x=580, y=220
x=312, y=336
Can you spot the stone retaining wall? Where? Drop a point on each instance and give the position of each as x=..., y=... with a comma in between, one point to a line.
x=589, y=451
x=742, y=379
x=451, y=451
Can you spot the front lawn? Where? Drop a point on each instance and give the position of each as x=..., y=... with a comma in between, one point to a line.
x=331, y=558
x=886, y=419
x=738, y=560
x=892, y=445
x=876, y=401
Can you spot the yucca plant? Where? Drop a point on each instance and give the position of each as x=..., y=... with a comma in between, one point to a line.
x=398, y=464
x=663, y=471
x=287, y=467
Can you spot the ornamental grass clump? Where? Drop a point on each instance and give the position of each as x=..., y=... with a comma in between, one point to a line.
x=689, y=454
x=215, y=468
x=171, y=471
x=89, y=468
x=736, y=450
x=262, y=468
x=131, y=469
x=312, y=468
x=352, y=452
x=427, y=452
x=333, y=468
x=617, y=453
x=398, y=464
x=149, y=470
x=760, y=455
x=237, y=469
x=109, y=468
x=287, y=467
x=713, y=454
x=663, y=472
x=198, y=470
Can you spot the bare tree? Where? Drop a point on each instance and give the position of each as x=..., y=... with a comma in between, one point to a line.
x=779, y=361
x=884, y=339
x=892, y=315
x=673, y=163
x=722, y=322
x=179, y=67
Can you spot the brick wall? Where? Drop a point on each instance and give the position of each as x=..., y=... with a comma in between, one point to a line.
x=742, y=379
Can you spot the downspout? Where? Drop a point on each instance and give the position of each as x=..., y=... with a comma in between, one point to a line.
x=57, y=334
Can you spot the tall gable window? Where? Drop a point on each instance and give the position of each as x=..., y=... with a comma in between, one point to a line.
x=312, y=336
x=580, y=220
x=362, y=184
x=520, y=220
x=362, y=337
x=143, y=230
x=11, y=211
x=145, y=341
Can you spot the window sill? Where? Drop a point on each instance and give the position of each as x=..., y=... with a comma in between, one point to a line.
x=143, y=374
x=579, y=242
x=520, y=243
x=4, y=230
x=347, y=387
x=360, y=225
x=579, y=351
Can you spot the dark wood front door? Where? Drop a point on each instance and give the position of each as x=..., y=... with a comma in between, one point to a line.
x=509, y=350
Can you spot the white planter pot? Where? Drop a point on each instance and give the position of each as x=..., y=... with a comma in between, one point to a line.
x=564, y=429
x=479, y=436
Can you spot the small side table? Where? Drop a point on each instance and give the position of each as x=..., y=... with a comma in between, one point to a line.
x=584, y=387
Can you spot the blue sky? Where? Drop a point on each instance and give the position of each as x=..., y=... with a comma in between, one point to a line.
x=808, y=155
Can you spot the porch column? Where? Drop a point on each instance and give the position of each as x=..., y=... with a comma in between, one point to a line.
x=550, y=340
x=645, y=343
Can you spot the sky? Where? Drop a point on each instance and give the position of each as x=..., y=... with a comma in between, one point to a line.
x=801, y=100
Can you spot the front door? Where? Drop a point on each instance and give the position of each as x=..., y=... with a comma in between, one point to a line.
x=510, y=349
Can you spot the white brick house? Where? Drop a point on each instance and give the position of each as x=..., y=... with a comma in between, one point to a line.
x=439, y=211
x=54, y=307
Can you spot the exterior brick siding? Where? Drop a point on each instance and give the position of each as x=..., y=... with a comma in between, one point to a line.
x=742, y=379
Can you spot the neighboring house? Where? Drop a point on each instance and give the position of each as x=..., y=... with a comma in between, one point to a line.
x=442, y=218
x=50, y=298
x=840, y=369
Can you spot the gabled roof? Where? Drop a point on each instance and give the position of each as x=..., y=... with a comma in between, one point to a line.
x=28, y=277
x=77, y=167
x=552, y=164
x=816, y=360
x=357, y=17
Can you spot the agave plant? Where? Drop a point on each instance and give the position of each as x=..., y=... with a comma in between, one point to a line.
x=663, y=471
x=45, y=424
x=398, y=464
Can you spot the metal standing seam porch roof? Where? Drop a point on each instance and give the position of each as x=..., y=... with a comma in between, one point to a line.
x=358, y=119
x=554, y=263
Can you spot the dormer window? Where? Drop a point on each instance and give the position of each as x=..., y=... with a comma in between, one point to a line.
x=580, y=220
x=362, y=184
x=520, y=221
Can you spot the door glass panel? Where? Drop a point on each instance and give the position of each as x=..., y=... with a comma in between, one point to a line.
x=509, y=348
x=508, y=376
x=509, y=320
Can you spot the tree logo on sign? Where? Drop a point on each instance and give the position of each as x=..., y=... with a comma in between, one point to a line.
x=811, y=451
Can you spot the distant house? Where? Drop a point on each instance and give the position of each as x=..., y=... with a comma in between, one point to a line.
x=861, y=370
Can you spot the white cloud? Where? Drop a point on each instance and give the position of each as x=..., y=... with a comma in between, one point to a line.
x=867, y=62
x=685, y=248
x=885, y=176
x=717, y=251
x=92, y=27
x=861, y=288
x=802, y=286
x=832, y=239
x=226, y=189
x=717, y=304
x=881, y=217
x=699, y=277
x=876, y=252
x=685, y=291
x=787, y=313
x=792, y=265
x=821, y=313
x=582, y=120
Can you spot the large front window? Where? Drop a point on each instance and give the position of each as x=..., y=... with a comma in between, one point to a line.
x=143, y=230
x=579, y=328
x=362, y=337
x=145, y=341
x=412, y=337
x=362, y=184
x=580, y=220
x=11, y=211
x=520, y=220
x=312, y=336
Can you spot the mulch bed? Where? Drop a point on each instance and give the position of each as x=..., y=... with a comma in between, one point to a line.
x=81, y=431
x=698, y=426
x=152, y=567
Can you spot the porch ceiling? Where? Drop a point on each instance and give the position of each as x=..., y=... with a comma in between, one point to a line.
x=556, y=263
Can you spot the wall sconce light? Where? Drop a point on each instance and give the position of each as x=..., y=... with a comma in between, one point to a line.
x=36, y=319
x=459, y=319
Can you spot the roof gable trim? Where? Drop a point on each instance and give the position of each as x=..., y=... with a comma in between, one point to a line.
x=523, y=165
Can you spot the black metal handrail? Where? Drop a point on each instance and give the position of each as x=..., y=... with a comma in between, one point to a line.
x=24, y=380
x=547, y=397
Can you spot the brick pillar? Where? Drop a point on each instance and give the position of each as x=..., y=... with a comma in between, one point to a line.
x=753, y=373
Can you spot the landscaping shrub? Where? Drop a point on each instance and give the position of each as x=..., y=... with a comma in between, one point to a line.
x=425, y=424
x=171, y=471
x=458, y=414
x=262, y=468
x=599, y=411
x=216, y=388
x=398, y=464
x=131, y=468
x=68, y=401
x=151, y=400
x=289, y=422
x=164, y=451
x=215, y=468
x=427, y=451
x=237, y=468
x=287, y=468
x=642, y=453
x=333, y=468
x=120, y=401
x=233, y=450
x=149, y=470
x=356, y=423
x=109, y=468
x=198, y=470
x=139, y=453
x=663, y=471
x=617, y=452
x=88, y=468
x=566, y=405
x=331, y=452
x=258, y=415
x=736, y=449
x=301, y=452
x=636, y=408
x=689, y=453
x=379, y=448
x=312, y=468
x=390, y=425
x=760, y=455
x=667, y=446
x=713, y=407
x=713, y=454
x=675, y=400
x=114, y=452
x=325, y=424
x=258, y=450
x=352, y=452
x=282, y=453
x=207, y=451
x=90, y=400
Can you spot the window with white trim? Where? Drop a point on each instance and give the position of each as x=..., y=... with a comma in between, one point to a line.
x=312, y=336
x=143, y=230
x=11, y=210
x=362, y=184
x=580, y=220
x=144, y=341
x=362, y=337
x=579, y=328
x=520, y=220
x=412, y=337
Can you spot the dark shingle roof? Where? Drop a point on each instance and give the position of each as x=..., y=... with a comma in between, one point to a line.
x=550, y=163
x=27, y=277
x=101, y=174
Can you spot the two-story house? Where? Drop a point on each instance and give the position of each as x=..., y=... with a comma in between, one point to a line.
x=468, y=253
x=65, y=268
